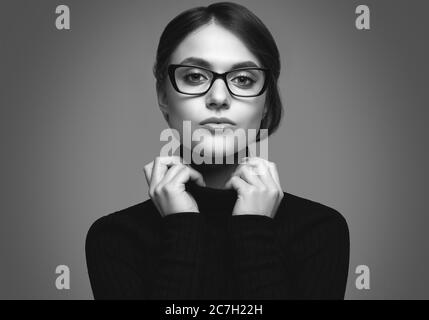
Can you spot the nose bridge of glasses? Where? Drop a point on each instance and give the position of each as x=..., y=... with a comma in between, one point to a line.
x=216, y=78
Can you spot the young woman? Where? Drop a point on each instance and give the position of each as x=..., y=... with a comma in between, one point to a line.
x=224, y=230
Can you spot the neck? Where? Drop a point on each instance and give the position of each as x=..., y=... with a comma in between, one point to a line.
x=215, y=175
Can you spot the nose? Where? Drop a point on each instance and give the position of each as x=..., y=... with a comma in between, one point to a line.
x=218, y=96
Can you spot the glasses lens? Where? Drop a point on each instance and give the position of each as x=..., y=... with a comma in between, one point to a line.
x=247, y=82
x=192, y=80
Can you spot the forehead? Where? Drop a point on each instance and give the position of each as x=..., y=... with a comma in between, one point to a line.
x=215, y=44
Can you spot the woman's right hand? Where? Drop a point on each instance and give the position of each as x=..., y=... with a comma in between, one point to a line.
x=166, y=177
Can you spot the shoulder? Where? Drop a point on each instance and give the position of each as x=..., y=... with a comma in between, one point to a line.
x=310, y=216
x=130, y=224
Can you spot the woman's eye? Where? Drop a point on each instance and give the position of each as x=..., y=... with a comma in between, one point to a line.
x=243, y=81
x=195, y=77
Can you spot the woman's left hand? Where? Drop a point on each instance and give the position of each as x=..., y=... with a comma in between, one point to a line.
x=258, y=187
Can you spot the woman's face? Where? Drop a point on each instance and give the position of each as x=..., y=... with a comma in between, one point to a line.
x=221, y=49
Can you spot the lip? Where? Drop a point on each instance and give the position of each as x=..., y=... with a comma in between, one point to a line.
x=217, y=126
x=220, y=121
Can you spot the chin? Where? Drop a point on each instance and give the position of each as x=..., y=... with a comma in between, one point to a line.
x=217, y=147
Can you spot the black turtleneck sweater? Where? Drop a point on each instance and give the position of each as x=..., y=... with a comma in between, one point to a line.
x=303, y=253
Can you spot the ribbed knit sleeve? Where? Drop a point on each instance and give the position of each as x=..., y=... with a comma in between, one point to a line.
x=176, y=276
x=112, y=272
x=257, y=260
x=265, y=270
x=322, y=272
x=115, y=274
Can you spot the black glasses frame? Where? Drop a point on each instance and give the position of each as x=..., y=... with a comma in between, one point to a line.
x=172, y=68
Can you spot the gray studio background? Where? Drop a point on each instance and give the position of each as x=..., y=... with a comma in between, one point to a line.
x=79, y=120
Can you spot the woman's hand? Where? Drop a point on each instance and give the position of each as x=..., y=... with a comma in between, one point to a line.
x=258, y=187
x=166, y=177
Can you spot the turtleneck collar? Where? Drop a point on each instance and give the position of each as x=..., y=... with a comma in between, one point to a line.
x=211, y=201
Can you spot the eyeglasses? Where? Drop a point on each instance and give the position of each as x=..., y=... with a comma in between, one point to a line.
x=193, y=80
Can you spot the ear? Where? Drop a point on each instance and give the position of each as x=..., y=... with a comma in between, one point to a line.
x=162, y=103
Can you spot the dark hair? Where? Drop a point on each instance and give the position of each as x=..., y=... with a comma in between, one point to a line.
x=244, y=24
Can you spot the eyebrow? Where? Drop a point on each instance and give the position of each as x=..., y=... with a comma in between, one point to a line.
x=205, y=64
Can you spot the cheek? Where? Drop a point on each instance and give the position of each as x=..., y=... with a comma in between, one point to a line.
x=183, y=109
x=253, y=114
x=189, y=111
x=180, y=107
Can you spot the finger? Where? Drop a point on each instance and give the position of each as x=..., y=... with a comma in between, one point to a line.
x=271, y=167
x=160, y=167
x=148, y=172
x=187, y=173
x=196, y=176
x=262, y=169
x=242, y=160
x=171, y=173
x=155, y=175
x=275, y=174
x=246, y=173
x=237, y=183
